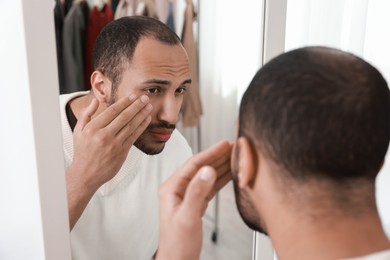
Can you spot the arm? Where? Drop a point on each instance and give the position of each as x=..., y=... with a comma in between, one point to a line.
x=101, y=146
x=184, y=198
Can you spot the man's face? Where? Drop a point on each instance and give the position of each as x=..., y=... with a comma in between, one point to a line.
x=162, y=72
x=245, y=206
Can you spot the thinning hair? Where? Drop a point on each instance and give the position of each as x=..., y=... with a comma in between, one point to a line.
x=319, y=113
x=115, y=45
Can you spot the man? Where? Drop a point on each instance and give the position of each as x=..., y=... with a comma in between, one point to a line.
x=314, y=128
x=141, y=73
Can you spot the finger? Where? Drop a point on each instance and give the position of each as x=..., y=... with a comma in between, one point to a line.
x=224, y=175
x=220, y=183
x=206, y=157
x=222, y=160
x=183, y=176
x=130, y=140
x=110, y=113
x=195, y=198
x=134, y=123
x=129, y=113
x=86, y=115
x=222, y=166
x=223, y=172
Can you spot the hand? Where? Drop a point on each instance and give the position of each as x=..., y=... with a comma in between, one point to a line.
x=184, y=198
x=101, y=146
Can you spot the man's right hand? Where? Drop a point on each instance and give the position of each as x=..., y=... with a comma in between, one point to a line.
x=184, y=198
x=101, y=145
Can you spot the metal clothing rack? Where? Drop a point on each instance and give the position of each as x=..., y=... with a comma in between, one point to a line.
x=214, y=234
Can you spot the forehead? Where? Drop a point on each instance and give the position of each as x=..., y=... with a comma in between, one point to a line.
x=154, y=58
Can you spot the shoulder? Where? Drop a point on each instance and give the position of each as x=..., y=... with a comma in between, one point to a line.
x=381, y=255
x=65, y=98
x=176, y=150
x=178, y=137
x=175, y=153
x=179, y=144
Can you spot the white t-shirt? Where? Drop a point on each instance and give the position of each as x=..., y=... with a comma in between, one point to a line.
x=381, y=255
x=121, y=219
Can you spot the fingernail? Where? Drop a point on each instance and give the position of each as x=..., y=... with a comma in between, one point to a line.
x=144, y=99
x=149, y=107
x=205, y=174
x=132, y=97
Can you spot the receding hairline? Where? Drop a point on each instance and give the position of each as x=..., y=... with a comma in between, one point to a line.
x=152, y=28
x=126, y=62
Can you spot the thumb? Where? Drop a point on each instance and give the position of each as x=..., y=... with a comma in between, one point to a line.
x=196, y=197
x=86, y=115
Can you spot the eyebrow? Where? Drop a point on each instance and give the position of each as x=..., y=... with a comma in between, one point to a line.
x=165, y=82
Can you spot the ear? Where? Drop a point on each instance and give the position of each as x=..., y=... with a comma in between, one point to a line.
x=101, y=86
x=247, y=163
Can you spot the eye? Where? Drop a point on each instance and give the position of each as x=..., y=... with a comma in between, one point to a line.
x=181, y=90
x=152, y=90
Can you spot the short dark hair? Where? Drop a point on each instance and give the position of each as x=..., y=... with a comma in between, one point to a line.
x=319, y=113
x=116, y=43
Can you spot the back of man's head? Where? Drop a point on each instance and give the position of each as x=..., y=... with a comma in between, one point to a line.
x=321, y=115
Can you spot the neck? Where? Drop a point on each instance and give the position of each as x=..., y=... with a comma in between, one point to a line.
x=335, y=237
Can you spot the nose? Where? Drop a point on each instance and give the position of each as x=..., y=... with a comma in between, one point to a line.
x=169, y=110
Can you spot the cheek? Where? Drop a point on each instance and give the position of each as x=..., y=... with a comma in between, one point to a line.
x=164, y=103
x=179, y=102
x=156, y=107
x=125, y=90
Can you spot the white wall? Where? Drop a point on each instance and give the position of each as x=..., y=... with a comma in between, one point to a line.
x=377, y=52
x=230, y=47
x=231, y=51
x=33, y=222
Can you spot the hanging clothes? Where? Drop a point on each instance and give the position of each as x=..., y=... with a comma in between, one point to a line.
x=162, y=9
x=128, y=8
x=170, y=21
x=59, y=14
x=68, y=5
x=148, y=8
x=96, y=21
x=74, y=33
x=123, y=9
x=192, y=107
x=114, y=5
x=136, y=7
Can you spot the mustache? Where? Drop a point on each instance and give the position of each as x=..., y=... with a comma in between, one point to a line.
x=161, y=125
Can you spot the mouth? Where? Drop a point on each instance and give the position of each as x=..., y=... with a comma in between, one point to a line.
x=161, y=135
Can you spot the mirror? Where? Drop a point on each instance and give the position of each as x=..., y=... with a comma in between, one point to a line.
x=225, y=235
x=225, y=71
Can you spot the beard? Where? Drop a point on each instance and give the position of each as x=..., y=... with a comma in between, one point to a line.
x=143, y=142
x=145, y=145
x=244, y=203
